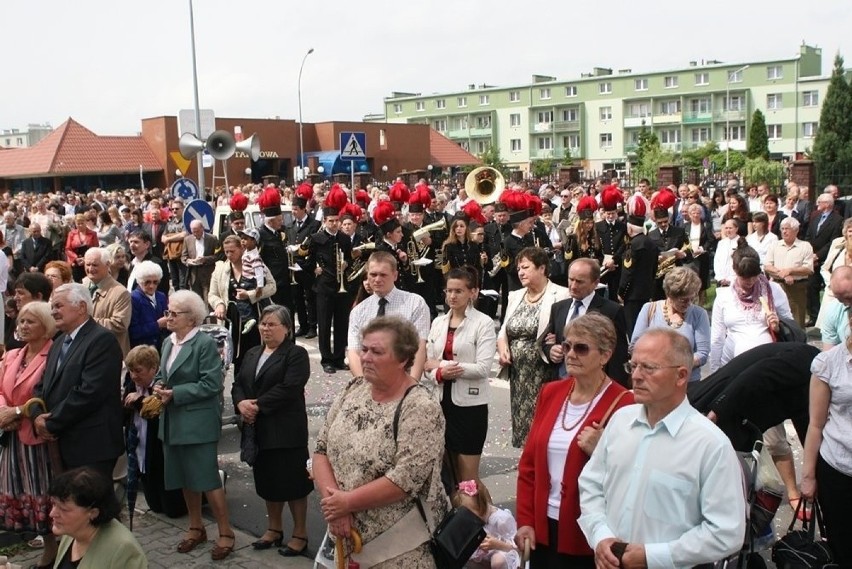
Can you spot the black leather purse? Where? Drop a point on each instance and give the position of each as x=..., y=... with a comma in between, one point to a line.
x=800, y=549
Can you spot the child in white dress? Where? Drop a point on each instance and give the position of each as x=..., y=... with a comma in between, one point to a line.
x=497, y=551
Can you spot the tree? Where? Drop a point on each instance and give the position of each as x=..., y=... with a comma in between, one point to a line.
x=758, y=139
x=832, y=150
x=759, y=171
x=491, y=157
x=647, y=140
x=542, y=168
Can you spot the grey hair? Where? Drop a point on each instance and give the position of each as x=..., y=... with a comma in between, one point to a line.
x=147, y=269
x=283, y=316
x=104, y=254
x=827, y=198
x=77, y=294
x=790, y=222
x=192, y=303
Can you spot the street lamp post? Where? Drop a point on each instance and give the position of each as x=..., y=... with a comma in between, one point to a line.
x=385, y=173
x=199, y=156
x=728, y=116
x=301, y=142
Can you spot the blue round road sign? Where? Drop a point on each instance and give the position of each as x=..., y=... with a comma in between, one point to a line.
x=200, y=210
x=185, y=189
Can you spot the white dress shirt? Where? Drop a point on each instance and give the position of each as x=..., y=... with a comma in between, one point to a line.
x=676, y=487
x=723, y=262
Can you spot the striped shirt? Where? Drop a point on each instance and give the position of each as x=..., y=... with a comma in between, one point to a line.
x=406, y=305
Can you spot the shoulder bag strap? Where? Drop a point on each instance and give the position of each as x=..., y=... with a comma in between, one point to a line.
x=396, y=416
x=605, y=418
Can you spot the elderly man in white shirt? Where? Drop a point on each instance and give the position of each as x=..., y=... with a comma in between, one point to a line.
x=664, y=487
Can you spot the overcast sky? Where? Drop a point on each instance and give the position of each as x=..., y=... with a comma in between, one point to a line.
x=110, y=63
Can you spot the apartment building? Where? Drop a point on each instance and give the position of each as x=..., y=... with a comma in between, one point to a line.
x=597, y=117
x=17, y=138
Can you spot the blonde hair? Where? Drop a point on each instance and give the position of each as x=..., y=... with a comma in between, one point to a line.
x=41, y=311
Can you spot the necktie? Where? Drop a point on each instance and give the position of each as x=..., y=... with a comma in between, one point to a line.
x=92, y=288
x=821, y=221
x=575, y=310
x=64, y=350
x=382, y=303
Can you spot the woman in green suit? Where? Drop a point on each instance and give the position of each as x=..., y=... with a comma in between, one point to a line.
x=191, y=382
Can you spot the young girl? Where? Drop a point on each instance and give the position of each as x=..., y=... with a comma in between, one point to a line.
x=497, y=550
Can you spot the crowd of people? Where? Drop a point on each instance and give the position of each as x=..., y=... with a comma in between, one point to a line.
x=592, y=300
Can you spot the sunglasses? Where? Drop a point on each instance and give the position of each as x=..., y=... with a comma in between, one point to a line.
x=579, y=348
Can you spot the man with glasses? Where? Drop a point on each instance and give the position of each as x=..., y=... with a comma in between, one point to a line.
x=835, y=327
x=139, y=243
x=173, y=247
x=664, y=487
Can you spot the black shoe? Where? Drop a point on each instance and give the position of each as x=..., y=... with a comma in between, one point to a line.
x=263, y=544
x=342, y=366
x=300, y=332
x=311, y=335
x=328, y=368
x=288, y=551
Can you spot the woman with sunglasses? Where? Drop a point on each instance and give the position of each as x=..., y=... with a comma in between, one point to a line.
x=568, y=421
x=148, y=317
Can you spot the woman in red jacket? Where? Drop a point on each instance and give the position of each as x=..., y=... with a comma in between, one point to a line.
x=569, y=417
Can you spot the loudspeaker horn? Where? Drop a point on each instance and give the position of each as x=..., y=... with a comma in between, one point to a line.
x=221, y=145
x=250, y=146
x=189, y=145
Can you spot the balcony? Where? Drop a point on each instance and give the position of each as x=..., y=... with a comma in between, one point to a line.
x=480, y=132
x=544, y=154
x=674, y=118
x=671, y=146
x=458, y=133
x=733, y=145
x=631, y=148
x=635, y=122
x=697, y=117
x=692, y=145
x=729, y=116
x=541, y=127
x=565, y=126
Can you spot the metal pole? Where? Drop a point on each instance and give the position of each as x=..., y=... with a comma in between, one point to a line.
x=200, y=155
x=301, y=142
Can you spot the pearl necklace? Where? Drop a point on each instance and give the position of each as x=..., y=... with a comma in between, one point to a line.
x=588, y=407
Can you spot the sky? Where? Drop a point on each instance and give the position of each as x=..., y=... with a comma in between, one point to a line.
x=110, y=63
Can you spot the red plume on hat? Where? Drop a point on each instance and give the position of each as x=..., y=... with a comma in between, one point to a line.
x=336, y=197
x=515, y=200
x=611, y=196
x=269, y=198
x=361, y=196
x=638, y=211
x=305, y=190
x=534, y=204
x=383, y=212
x=664, y=199
x=399, y=192
x=421, y=196
x=353, y=210
x=586, y=207
x=238, y=202
x=473, y=211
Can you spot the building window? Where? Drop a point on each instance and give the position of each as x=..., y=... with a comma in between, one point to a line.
x=19, y=141
x=734, y=133
x=465, y=146
x=571, y=141
x=735, y=76
x=483, y=122
x=774, y=72
x=669, y=107
x=606, y=140
x=516, y=144
x=606, y=113
x=441, y=104
x=483, y=99
x=514, y=96
x=8, y=142
x=640, y=84
x=419, y=106
x=734, y=103
x=605, y=88
x=397, y=108
x=545, y=143
x=639, y=110
x=809, y=129
x=482, y=146
x=773, y=102
x=570, y=90
x=671, y=136
x=440, y=125
x=670, y=81
x=515, y=119
x=702, y=78
x=699, y=105
x=701, y=135
x=462, y=101
x=545, y=116
x=810, y=98
x=774, y=131
x=544, y=93
x=569, y=115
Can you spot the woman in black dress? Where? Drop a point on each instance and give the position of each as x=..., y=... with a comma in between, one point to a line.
x=269, y=393
x=458, y=249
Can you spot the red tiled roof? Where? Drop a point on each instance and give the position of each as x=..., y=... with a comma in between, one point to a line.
x=72, y=149
x=445, y=152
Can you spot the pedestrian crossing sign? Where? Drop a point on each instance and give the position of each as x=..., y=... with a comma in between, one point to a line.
x=353, y=145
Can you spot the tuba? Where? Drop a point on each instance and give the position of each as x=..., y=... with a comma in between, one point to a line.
x=484, y=184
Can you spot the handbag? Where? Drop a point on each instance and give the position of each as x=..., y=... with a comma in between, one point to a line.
x=460, y=532
x=800, y=549
x=248, y=444
x=790, y=331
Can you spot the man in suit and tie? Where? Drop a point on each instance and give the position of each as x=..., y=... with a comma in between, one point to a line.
x=111, y=307
x=583, y=280
x=825, y=226
x=36, y=250
x=81, y=386
x=156, y=229
x=199, y=255
x=304, y=297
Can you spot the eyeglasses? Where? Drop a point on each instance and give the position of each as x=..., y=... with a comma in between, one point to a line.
x=269, y=324
x=646, y=369
x=170, y=313
x=566, y=196
x=579, y=348
x=151, y=282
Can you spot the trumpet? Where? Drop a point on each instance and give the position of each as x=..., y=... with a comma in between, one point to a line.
x=291, y=260
x=424, y=231
x=357, y=269
x=341, y=267
x=500, y=261
x=413, y=255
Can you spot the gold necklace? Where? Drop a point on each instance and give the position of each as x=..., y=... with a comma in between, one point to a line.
x=588, y=407
x=668, y=317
